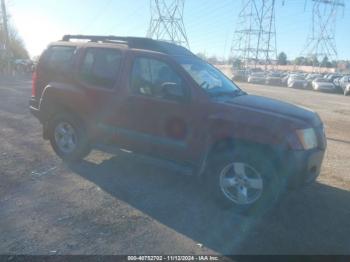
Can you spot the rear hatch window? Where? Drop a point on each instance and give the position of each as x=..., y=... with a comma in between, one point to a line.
x=55, y=65
x=59, y=58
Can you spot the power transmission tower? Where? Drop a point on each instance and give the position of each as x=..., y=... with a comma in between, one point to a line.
x=321, y=41
x=167, y=21
x=255, y=35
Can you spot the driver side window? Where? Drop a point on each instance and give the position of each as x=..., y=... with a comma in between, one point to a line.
x=151, y=77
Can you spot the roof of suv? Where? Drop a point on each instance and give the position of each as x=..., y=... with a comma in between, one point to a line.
x=126, y=42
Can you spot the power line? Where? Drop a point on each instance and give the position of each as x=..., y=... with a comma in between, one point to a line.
x=97, y=16
x=167, y=22
x=321, y=42
x=255, y=36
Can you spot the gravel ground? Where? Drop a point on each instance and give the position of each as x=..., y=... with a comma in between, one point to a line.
x=120, y=205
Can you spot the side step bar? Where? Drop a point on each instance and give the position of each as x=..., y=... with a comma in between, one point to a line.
x=160, y=162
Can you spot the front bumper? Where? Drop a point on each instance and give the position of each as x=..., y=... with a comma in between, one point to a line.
x=302, y=167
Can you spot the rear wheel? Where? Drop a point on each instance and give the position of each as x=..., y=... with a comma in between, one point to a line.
x=245, y=180
x=68, y=137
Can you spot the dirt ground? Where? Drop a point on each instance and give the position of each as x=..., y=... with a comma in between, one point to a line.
x=121, y=205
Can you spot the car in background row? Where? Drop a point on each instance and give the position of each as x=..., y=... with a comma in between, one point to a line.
x=323, y=84
x=240, y=75
x=284, y=80
x=331, y=82
x=347, y=90
x=311, y=77
x=274, y=79
x=295, y=81
x=333, y=77
x=344, y=84
x=336, y=82
x=257, y=78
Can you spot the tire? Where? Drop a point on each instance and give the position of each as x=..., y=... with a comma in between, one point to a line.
x=69, y=129
x=256, y=167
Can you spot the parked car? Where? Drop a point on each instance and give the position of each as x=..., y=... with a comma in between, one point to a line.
x=296, y=81
x=336, y=82
x=311, y=77
x=323, y=84
x=240, y=75
x=332, y=77
x=344, y=82
x=257, y=78
x=347, y=90
x=159, y=100
x=273, y=79
x=285, y=78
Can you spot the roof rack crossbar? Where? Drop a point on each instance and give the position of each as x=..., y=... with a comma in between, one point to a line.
x=134, y=42
x=95, y=38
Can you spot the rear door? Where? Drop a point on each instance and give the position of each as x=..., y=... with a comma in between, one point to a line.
x=99, y=74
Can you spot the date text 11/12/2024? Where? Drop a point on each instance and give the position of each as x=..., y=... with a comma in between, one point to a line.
x=173, y=258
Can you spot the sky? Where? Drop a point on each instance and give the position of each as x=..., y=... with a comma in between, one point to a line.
x=210, y=24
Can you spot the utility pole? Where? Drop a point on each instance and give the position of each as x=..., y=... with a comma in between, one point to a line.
x=5, y=32
x=255, y=35
x=167, y=22
x=321, y=40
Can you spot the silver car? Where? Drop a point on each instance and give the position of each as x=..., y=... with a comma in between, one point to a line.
x=257, y=78
x=297, y=81
x=322, y=84
x=347, y=90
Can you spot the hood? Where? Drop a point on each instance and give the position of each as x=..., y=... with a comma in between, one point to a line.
x=272, y=106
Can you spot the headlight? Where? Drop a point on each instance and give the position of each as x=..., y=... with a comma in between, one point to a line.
x=307, y=138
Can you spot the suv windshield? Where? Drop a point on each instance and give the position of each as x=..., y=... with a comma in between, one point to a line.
x=208, y=77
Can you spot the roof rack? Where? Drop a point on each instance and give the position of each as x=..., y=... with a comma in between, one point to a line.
x=134, y=42
x=95, y=38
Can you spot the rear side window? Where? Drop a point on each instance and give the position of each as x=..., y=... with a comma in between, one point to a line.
x=59, y=58
x=100, y=67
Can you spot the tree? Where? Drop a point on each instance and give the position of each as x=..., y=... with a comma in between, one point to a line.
x=313, y=61
x=334, y=64
x=282, y=58
x=300, y=60
x=325, y=62
x=16, y=45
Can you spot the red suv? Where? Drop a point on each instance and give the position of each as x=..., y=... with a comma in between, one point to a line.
x=161, y=101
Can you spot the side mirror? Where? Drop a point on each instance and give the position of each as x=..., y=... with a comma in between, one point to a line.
x=172, y=91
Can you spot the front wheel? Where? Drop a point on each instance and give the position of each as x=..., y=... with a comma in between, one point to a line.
x=246, y=181
x=68, y=137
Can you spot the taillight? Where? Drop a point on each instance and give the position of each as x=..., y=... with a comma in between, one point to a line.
x=34, y=83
